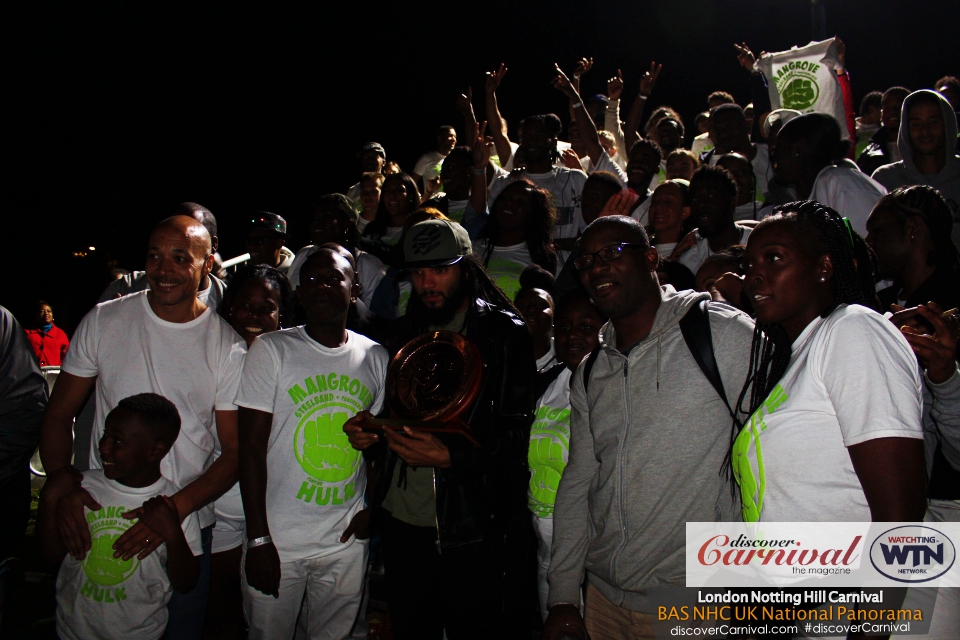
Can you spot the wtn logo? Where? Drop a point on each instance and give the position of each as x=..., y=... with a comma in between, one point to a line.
x=912, y=554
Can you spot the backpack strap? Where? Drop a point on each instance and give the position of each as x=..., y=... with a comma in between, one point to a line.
x=695, y=327
x=588, y=366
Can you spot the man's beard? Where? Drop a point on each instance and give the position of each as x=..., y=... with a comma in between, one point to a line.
x=441, y=317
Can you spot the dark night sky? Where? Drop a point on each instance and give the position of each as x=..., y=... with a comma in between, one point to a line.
x=114, y=115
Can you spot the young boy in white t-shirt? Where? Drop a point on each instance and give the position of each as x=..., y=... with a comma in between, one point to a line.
x=99, y=595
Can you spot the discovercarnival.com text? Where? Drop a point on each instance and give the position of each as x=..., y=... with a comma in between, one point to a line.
x=818, y=628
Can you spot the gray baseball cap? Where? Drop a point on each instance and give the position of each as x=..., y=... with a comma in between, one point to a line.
x=435, y=243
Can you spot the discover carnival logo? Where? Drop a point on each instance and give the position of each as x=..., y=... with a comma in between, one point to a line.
x=822, y=555
x=912, y=554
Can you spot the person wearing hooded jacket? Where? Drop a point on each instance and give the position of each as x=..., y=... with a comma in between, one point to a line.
x=928, y=137
x=648, y=440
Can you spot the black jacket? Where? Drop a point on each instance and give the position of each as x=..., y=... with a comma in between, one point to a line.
x=484, y=489
x=875, y=155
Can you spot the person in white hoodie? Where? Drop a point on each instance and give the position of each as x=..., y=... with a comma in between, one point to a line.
x=928, y=138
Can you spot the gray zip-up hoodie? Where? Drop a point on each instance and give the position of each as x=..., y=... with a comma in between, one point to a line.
x=648, y=441
x=905, y=172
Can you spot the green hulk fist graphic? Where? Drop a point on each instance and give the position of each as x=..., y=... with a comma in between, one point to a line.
x=800, y=94
x=100, y=565
x=327, y=454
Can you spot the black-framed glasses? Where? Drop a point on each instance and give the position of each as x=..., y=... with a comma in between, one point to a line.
x=608, y=253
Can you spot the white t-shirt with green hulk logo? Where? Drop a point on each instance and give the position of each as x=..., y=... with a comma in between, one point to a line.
x=315, y=479
x=106, y=597
x=549, y=445
x=506, y=264
x=852, y=378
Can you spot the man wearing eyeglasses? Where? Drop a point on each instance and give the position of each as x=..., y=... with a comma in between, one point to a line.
x=649, y=438
x=265, y=240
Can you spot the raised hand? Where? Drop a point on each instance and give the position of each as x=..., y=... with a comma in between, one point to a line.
x=482, y=146
x=841, y=52
x=464, y=102
x=615, y=86
x=745, y=56
x=583, y=65
x=562, y=83
x=495, y=77
x=570, y=159
x=649, y=79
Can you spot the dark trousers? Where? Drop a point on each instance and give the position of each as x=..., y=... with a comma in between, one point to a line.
x=15, y=507
x=188, y=610
x=459, y=590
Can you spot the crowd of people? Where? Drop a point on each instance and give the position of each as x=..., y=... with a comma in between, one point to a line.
x=748, y=317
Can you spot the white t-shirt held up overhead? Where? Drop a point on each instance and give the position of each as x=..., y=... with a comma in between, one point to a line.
x=195, y=365
x=315, y=479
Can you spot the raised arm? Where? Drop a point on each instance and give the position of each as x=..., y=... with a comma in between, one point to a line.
x=464, y=104
x=583, y=66
x=481, y=158
x=759, y=94
x=611, y=121
x=498, y=126
x=588, y=130
x=56, y=428
x=647, y=83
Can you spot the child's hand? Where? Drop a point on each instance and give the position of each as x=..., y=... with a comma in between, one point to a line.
x=160, y=515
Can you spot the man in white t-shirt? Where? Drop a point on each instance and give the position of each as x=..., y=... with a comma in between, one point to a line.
x=730, y=133
x=428, y=166
x=713, y=201
x=211, y=287
x=304, y=502
x=166, y=341
x=539, y=150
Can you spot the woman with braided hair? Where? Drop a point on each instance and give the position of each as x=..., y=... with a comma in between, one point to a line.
x=835, y=397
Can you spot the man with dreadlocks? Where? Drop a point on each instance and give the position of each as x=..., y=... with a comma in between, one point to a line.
x=649, y=434
x=448, y=506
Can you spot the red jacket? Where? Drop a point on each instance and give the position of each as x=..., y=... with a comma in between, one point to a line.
x=50, y=347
